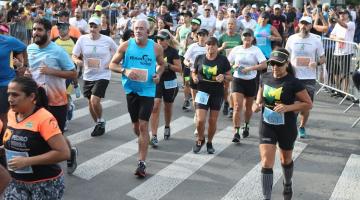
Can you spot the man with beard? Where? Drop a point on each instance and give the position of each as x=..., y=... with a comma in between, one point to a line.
x=79, y=22
x=50, y=66
x=307, y=52
x=64, y=18
x=142, y=66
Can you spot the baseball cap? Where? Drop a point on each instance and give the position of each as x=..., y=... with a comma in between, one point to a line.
x=277, y=6
x=203, y=31
x=248, y=31
x=63, y=13
x=152, y=19
x=94, y=20
x=306, y=19
x=254, y=6
x=163, y=34
x=278, y=56
x=4, y=28
x=186, y=13
x=98, y=8
x=195, y=4
x=196, y=21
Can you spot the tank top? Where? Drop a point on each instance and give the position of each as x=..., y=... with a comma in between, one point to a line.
x=143, y=60
x=262, y=34
x=183, y=32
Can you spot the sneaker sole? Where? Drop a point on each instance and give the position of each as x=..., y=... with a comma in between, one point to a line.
x=140, y=175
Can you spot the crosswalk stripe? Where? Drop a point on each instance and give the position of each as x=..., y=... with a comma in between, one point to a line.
x=249, y=187
x=111, y=125
x=348, y=185
x=168, y=178
x=78, y=113
x=103, y=162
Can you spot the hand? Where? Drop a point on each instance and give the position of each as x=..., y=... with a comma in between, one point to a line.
x=246, y=70
x=18, y=163
x=312, y=65
x=220, y=78
x=156, y=78
x=79, y=63
x=281, y=108
x=256, y=107
x=196, y=80
x=17, y=63
x=46, y=70
x=224, y=45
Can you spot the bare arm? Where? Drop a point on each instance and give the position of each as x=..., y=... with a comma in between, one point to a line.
x=4, y=179
x=159, y=52
x=176, y=67
x=115, y=65
x=304, y=103
x=259, y=100
x=275, y=35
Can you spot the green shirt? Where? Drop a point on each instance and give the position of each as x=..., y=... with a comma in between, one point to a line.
x=232, y=41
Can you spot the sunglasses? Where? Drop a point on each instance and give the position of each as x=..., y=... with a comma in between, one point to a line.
x=278, y=64
x=201, y=34
x=207, y=9
x=93, y=26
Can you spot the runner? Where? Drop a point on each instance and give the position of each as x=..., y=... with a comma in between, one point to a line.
x=246, y=60
x=96, y=51
x=307, y=52
x=4, y=175
x=50, y=66
x=276, y=98
x=140, y=74
x=210, y=72
x=33, y=143
x=167, y=88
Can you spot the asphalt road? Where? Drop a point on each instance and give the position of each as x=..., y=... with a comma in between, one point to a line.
x=327, y=164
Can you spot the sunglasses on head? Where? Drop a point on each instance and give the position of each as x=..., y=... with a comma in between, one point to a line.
x=278, y=64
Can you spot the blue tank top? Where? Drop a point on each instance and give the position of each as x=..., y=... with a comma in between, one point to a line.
x=262, y=35
x=142, y=59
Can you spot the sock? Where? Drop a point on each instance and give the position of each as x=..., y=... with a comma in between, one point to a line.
x=100, y=120
x=237, y=129
x=246, y=124
x=167, y=126
x=267, y=182
x=288, y=172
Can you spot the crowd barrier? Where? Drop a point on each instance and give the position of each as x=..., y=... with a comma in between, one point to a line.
x=342, y=59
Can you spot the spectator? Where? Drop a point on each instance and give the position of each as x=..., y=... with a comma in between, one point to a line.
x=165, y=16
x=79, y=22
x=194, y=10
x=279, y=22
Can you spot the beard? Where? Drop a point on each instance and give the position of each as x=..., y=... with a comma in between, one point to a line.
x=40, y=40
x=304, y=32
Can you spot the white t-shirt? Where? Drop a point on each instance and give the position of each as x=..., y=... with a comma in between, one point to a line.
x=82, y=25
x=193, y=51
x=121, y=23
x=251, y=24
x=97, y=55
x=208, y=23
x=303, y=51
x=220, y=28
x=346, y=34
x=243, y=58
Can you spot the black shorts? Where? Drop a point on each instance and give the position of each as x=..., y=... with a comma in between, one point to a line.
x=185, y=70
x=168, y=95
x=245, y=87
x=139, y=107
x=309, y=85
x=4, y=106
x=342, y=65
x=60, y=113
x=96, y=88
x=214, y=103
x=285, y=135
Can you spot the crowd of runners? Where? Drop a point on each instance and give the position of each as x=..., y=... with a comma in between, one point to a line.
x=238, y=59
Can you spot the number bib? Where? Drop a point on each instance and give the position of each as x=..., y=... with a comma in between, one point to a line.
x=93, y=63
x=142, y=75
x=202, y=97
x=272, y=117
x=12, y=154
x=302, y=61
x=170, y=84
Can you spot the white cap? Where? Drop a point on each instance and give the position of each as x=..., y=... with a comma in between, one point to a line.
x=286, y=3
x=254, y=6
x=306, y=19
x=94, y=20
x=277, y=6
x=231, y=9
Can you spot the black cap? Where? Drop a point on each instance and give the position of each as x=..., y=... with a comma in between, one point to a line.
x=212, y=41
x=14, y=4
x=248, y=31
x=265, y=15
x=63, y=13
x=203, y=31
x=186, y=13
x=278, y=56
x=163, y=34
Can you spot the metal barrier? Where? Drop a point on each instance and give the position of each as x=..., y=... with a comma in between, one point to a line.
x=342, y=59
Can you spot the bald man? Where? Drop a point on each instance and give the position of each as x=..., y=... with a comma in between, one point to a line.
x=79, y=22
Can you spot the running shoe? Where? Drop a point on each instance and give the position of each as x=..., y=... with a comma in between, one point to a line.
x=99, y=129
x=230, y=114
x=70, y=111
x=236, y=138
x=167, y=133
x=226, y=108
x=209, y=148
x=154, y=141
x=77, y=90
x=72, y=163
x=302, y=132
x=245, y=132
x=287, y=192
x=198, y=145
x=186, y=105
x=141, y=169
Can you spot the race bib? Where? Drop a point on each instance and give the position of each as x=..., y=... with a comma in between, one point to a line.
x=302, y=61
x=12, y=154
x=260, y=41
x=94, y=63
x=141, y=75
x=170, y=84
x=202, y=97
x=272, y=117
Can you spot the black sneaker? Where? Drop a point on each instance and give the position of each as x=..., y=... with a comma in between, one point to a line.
x=226, y=108
x=141, y=169
x=186, y=105
x=99, y=129
x=287, y=192
x=198, y=145
x=236, y=138
x=245, y=132
x=167, y=133
x=210, y=149
x=72, y=163
x=231, y=112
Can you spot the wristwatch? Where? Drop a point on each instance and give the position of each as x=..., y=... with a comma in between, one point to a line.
x=122, y=71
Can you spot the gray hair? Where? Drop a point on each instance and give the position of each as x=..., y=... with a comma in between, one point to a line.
x=145, y=21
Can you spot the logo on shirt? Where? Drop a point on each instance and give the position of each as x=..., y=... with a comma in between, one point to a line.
x=29, y=124
x=144, y=60
x=271, y=95
x=210, y=72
